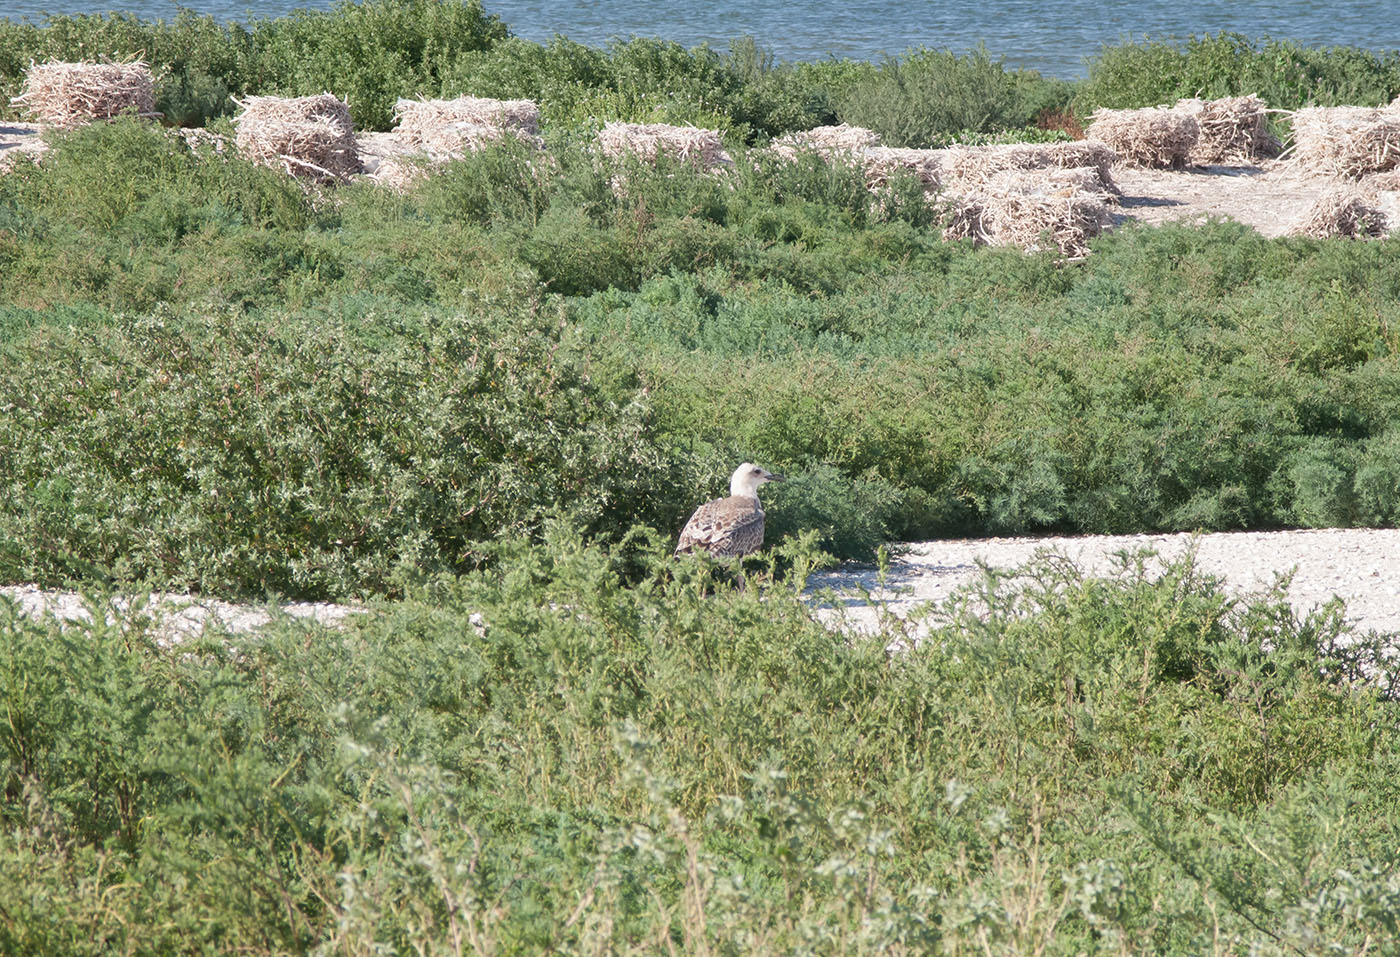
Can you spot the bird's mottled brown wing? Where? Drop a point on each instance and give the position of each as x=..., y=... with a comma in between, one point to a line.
x=724, y=527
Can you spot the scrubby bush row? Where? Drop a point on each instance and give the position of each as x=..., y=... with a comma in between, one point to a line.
x=1285, y=73
x=214, y=379
x=374, y=52
x=540, y=758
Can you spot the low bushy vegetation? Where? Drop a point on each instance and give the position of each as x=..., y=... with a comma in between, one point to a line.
x=216, y=380
x=540, y=758
x=484, y=406
x=1287, y=74
x=928, y=97
x=374, y=52
x=371, y=53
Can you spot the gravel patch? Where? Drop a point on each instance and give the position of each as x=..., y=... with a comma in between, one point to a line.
x=1359, y=566
x=176, y=617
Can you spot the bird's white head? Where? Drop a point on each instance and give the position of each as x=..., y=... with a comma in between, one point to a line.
x=748, y=477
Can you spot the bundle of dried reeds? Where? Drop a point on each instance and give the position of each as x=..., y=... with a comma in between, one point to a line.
x=646, y=141
x=420, y=119
x=1061, y=182
x=309, y=136
x=1387, y=182
x=1157, y=138
x=1024, y=209
x=68, y=95
x=970, y=168
x=882, y=163
x=969, y=221
x=1233, y=129
x=826, y=139
x=454, y=139
x=1344, y=211
x=1346, y=141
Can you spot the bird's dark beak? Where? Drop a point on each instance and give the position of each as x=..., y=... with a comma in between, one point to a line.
x=775, y=477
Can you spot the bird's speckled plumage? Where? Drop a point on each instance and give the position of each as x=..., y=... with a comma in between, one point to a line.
x=730, y=527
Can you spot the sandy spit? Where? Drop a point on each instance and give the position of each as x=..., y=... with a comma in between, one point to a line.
x=1358, y=565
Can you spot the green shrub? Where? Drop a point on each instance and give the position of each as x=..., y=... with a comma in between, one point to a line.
x=368, y=53
x=302, y=454
x=538, y=755
x=1181, y=378
x=930, y=97
x=1287, y=74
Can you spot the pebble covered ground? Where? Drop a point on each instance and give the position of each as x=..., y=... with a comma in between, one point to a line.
x=1359, y=565
x=177, y=616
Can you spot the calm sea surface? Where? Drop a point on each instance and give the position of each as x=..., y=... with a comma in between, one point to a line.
x=1053, y=36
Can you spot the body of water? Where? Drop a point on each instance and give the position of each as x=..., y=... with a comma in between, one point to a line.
x=1053, y=36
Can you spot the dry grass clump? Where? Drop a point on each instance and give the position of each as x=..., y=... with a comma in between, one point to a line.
x=1343, y=212
x=68, y=95
x=1155, y=138
x=1387, y=182
x=309, y=136
x=970, y=168
x=1346, y=141
x=454, y=139
x=1075, y=179
x=647, y=141
x=1232, y=129
x=883, y=163
x=826, y=139
x=1024, y=209
x=420, y=120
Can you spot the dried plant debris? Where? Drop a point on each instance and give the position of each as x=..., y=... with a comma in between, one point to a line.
x=1343, y=212
x=420, y=120
x=1233, y=129
x=1154, y=138
x=457, y=139
x=1346, y=141
x=310, y=137
x=69, y=95
x=1017, y=208
x=970, y=168
x=883, y=163
x=701, y=148
x=826, y=140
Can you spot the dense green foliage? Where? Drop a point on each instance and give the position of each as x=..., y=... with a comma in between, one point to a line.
x=1285, y=73
x=1119, y=766
x=370, y=53
x=929, y=96
x=373, y=52
x=495, y=397
x=216, y=380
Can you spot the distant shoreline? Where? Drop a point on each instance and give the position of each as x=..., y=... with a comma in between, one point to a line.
x=1057, y=39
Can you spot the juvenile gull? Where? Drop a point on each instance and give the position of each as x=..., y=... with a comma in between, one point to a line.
x=730, y=527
